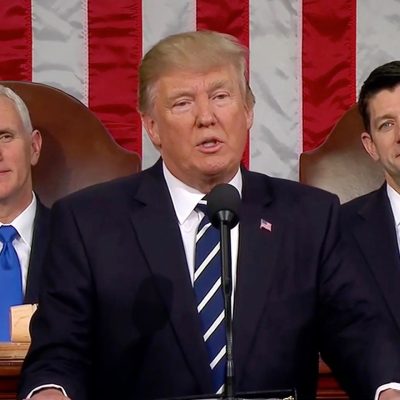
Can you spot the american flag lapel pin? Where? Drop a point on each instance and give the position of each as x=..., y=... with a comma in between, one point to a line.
x=265, y=225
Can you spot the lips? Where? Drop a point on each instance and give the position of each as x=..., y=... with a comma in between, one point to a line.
x=209, y=143
x=209, y=146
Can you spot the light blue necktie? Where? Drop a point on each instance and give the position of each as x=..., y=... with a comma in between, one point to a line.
x=10, y=279
x=209, y=295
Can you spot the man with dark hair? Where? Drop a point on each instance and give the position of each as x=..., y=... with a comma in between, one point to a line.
x=371, y=223
x=131, y=306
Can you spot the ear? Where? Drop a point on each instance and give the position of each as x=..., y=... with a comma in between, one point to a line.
x=249, y=117
x=36, y=145
x=369, y=145
x=151, y=128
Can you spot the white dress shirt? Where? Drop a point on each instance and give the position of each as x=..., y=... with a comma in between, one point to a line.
x=185, y=200
x=394, y=199
x=23, y=242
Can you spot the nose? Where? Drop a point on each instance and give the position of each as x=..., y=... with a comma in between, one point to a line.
x=205, y=114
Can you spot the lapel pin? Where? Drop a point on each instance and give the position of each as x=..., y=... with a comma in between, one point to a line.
x=265, y=225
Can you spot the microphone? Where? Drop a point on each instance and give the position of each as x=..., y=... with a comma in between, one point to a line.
x=223, y=204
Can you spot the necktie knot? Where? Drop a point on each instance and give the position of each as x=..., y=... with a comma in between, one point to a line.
x=202, y=206
x=7, y=233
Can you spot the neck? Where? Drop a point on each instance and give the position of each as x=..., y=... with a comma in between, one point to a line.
x=9, y=210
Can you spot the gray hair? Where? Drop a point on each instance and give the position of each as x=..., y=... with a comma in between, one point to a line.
x=20, y=106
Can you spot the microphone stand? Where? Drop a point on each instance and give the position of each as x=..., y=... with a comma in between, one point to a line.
x=226, y=261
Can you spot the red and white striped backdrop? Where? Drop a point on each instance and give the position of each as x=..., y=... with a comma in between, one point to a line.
x=307, y=59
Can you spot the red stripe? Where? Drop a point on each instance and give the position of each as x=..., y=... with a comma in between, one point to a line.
x=328, y=63
x=16, y=40
x=114, y=52
x=229, y=16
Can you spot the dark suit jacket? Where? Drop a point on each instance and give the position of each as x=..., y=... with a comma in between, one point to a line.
x=40, y=238
x=117, y=316
x=371, y=242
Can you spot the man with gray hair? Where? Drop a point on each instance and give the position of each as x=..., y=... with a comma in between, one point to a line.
x=23, y=219
x=131, y=306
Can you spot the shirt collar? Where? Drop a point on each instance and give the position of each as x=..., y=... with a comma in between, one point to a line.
x=23, y=223
x=185, y=198
x=394, y=198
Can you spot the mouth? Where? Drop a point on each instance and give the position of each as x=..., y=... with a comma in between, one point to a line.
x=210, y=145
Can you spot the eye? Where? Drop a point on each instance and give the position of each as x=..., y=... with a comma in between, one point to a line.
x=386, y=125
x=181, y=103
x=6, y=137
x=221, y=96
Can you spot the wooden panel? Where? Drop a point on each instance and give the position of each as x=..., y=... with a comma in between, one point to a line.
x=328, y=388
x=11, y=358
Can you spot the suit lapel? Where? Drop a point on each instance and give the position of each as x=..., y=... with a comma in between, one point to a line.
x=40, y=239
x=258, y=251
x=159, y=236
x=376, y=236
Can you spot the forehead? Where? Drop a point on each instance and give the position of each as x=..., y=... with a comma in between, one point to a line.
x=9, y=116
x=385, y=100
x=195, y=80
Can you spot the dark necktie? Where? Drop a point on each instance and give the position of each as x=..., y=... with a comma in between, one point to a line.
x=10, y=279
x=209, y=295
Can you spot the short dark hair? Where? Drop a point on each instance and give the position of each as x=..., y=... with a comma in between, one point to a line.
x=387, y=76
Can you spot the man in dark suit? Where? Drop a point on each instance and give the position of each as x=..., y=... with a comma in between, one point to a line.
x=20, y=209
x=371, y=223
x=118, y=316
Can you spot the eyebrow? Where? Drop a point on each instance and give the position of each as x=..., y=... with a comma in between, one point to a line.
x=6, y=130
x=383, y=117
x=218, y=84
x=180, y=93
x=189, y=92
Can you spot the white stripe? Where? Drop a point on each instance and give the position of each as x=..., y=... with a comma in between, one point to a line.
x=218, y=357
x=59, y=40
x=221, y=389
x=160, y=19
x=299, y=74
x=202, y=231
x=377, y=35
x=206, y=261
x=210, y=294
x=275, y=136
x=214, y=326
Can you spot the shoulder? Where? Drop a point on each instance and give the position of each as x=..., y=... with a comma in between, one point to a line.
x=350, y=209
x=106, y=196
x=300, y=191
x=292, y=192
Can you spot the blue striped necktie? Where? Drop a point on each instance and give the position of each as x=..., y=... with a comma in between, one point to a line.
x=209, y=296
x=10, y=279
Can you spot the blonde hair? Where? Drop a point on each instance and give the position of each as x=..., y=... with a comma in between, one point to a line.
x=197, y=51
x=20, y=106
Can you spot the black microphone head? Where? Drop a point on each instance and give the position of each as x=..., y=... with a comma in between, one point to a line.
x=223, y=205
